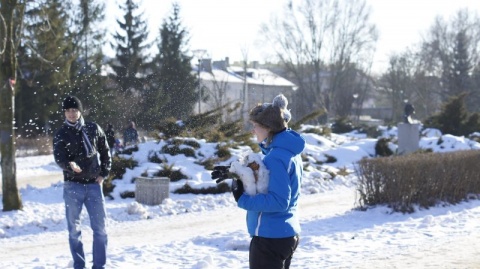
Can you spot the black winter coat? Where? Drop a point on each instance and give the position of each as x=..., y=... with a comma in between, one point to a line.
x=110, y=137
x=68, y=147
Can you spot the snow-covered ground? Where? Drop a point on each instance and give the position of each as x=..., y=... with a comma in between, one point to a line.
x=209, y=231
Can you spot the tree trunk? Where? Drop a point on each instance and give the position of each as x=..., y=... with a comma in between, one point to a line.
x=11, y=197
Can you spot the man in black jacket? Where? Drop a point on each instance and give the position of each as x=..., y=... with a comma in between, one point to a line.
x=81, y=150
x=110, y=133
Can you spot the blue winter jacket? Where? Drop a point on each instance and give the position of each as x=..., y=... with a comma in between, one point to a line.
x=274, y=214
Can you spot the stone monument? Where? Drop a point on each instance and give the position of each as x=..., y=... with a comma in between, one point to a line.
x=408, y=132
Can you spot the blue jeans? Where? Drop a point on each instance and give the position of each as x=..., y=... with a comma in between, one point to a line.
x=91, y=195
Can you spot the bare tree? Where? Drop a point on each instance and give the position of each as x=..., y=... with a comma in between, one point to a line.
x=218, y=91
x=398, y=83
x=353, y=39
x=318, y=42
x=245, y=105
x=451, y=50
x=11, y=12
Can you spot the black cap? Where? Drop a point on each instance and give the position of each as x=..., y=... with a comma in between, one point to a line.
x=72, y=102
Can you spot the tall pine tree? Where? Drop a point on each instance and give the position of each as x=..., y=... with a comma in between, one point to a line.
x=88, y=83
x=175, y=79
x=462, y=69
x=45, y=59
x=131, y=61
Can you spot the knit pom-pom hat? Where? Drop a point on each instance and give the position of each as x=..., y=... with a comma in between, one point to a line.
x=274, y=116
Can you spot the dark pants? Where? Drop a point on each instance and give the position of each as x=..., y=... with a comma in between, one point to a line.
x=272, y=253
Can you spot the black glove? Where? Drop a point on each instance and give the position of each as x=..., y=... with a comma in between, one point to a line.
x=237, y=189
x=220, y=173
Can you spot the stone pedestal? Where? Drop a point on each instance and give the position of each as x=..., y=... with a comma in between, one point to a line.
x=408, y=138
x=151, y=190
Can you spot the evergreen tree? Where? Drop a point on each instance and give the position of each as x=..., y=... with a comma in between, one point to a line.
x=45, y=61
x=177, y=84
x=130, y=63
x=462, y=69
x=88, y=82
x=454, y=118
x=475, y=89
x=450, y=52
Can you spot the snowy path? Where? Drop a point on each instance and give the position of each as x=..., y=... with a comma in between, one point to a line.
x=387, y=240
x=130, y=236
x=38, y=181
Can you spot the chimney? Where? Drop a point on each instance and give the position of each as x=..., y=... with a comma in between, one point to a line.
x=222, y=65
x=206, y=65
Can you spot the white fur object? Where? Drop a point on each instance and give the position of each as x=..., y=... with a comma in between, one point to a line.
x=247, y=176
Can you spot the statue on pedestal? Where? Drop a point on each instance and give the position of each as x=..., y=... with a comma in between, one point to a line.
x=409, y=110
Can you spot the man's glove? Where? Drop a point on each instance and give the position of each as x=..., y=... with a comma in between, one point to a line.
x=237, y=189
x=220, y=173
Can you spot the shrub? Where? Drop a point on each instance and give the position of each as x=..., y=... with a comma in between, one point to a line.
x=175, y=150
x=215, y=136
x=219, y=188
x=39, y=145
x=245, y=139
x=382, y=149
x=343, y=172
x=454, y=118
x=330, y=159
x=168, y=171
x=189, y=152
x=192, y=143
x=120, y=165
x=323, y=131
x=342, y=125
x=231, y=129
x=208, y=163
x=129, y=150
x=314, y=116
x=223, y=152
x=153, y=157
x=108, y=187
x=127, y=194
x=418, y=179
x=370, y=131
x=207, y=125
x=170, y=128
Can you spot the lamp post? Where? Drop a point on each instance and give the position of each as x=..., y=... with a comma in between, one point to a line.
x=199, y=86
x=355, y=115
x=199, y=54
x=263, y=90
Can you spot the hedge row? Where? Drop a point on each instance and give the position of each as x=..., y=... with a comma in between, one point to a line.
x=423, y=179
